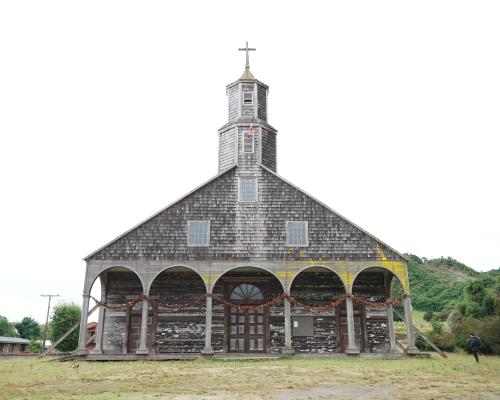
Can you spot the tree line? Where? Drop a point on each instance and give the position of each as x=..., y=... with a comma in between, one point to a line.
x=63, y=316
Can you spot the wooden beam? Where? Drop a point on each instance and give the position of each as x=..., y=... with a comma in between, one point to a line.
x=53, y=346
x=401, y=346
x=90, y=339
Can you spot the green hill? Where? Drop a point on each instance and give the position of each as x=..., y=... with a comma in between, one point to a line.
x=438, y=284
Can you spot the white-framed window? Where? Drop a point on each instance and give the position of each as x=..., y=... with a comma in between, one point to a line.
x=198, y=233
x=248, y=142
x=297, y=234
x=247, y=189
x=247, y=98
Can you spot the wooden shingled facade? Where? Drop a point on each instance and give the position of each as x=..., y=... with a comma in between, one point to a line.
x=191, y=278
x=247, y=231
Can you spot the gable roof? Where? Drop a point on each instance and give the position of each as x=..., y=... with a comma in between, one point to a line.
x=243, y=231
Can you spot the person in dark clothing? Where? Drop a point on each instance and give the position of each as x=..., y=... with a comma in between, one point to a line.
x=474, y=344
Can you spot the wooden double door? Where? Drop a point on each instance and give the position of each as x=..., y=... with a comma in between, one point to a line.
x=246, y=330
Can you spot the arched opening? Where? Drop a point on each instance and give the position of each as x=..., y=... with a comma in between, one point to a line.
x=314, y=332
x=374, y=327
x=180, y=329
x=239, y=330
x=114, y=286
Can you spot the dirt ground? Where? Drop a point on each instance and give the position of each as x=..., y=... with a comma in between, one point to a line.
x=457, y=377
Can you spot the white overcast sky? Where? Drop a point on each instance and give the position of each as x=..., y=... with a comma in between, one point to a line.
x=387, y=111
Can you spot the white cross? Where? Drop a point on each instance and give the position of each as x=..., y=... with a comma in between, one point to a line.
x=247, y=65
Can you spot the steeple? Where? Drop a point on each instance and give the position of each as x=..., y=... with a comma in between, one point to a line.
x=247, y=139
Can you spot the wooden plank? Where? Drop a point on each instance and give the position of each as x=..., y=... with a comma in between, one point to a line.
x=401, y=346
x=90, y=339
x=52, y=347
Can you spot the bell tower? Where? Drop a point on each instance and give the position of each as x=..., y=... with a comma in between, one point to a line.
x=247, y=139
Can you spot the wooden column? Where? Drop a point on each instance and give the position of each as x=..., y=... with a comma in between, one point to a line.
x=351, y=338
x=288, y=328
x=83, y=322
x=208, y=350
x=143, y=338
x=390, y=324
x=410, y=337
x=100, y=320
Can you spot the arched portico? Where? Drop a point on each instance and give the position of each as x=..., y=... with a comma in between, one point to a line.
x=178, y=330
x=118, y=284
x=376, y=329
x=236, y=330
x=317, y=332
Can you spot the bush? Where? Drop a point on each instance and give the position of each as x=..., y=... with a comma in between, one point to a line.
x=445, y=341
x=64, y=317
x=35, y=346
x=486, y=328
x=437, y=327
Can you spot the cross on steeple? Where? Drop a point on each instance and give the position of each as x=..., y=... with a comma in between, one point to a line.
x=246, y=49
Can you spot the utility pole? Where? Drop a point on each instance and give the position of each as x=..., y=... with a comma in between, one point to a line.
x=47, y=319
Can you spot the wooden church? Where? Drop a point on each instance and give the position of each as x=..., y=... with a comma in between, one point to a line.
x=245, y=263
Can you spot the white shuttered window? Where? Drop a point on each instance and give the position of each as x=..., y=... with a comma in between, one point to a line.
x=198, y=233
x=248, y=189
x=297, y=234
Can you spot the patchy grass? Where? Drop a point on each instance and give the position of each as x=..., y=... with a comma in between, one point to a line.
x=458, y=377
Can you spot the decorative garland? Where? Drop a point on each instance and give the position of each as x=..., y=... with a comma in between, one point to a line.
x=251, y=307
x=246, y=308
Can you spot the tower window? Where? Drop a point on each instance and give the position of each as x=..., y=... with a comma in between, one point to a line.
x=297, y=234
x=198, y=233
x=248, y=189
x=248, y=98
x=248, y=142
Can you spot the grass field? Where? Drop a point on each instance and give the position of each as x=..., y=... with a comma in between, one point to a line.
x=458, y=377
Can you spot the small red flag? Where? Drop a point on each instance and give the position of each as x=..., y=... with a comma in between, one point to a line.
x=250, y=131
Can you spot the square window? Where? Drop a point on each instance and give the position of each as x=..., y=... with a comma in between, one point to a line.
x=248, y=98
x=248, y=189
x=198, y=233
x=297, y=234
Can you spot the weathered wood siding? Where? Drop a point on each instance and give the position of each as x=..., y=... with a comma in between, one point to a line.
x=233, y=101
x=268, y=140
x=179, y=330
x=227, y=151
x=246, y=231
x=262, y=102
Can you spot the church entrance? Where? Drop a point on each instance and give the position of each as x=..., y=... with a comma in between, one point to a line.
x=246, y=330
